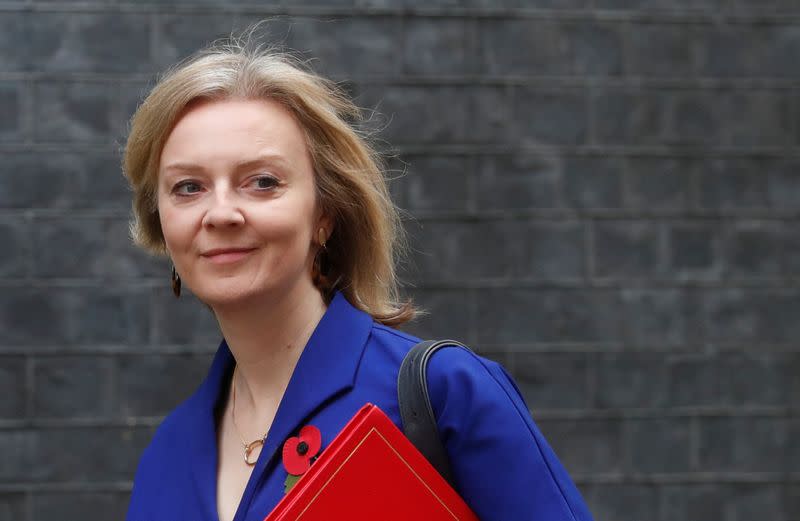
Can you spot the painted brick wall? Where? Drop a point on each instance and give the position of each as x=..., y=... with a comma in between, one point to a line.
x=602, y=194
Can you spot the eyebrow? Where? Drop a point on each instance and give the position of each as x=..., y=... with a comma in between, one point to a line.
x=240, y=165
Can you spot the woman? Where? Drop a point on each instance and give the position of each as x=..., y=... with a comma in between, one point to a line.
x=274, y=211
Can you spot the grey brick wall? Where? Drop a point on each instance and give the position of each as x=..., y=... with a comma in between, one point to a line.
x=604, y=196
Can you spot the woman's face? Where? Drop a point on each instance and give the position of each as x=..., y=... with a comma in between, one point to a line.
x=237, y=201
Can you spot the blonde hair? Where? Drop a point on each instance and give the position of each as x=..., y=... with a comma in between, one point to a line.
x=367, y=236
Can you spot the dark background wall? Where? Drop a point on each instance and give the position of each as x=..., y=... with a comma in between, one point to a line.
x=604, y=197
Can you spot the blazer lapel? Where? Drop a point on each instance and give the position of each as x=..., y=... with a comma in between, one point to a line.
x=326, y=369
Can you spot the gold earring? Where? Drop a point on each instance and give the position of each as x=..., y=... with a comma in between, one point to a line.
x=176, y=283
x=321, y=237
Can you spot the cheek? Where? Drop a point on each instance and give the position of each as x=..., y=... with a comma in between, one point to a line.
x=175, y=227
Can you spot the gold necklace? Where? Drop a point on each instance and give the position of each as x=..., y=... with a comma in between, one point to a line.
x=248, y=447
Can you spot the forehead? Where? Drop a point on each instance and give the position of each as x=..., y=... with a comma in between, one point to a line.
x=216, y=133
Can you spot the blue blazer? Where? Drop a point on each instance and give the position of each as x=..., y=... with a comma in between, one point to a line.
x=503, y=466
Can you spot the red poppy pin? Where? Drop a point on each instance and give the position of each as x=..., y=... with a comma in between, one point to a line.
x=299, y=453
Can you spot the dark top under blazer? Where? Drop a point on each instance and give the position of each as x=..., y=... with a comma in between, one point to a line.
x=503, y=466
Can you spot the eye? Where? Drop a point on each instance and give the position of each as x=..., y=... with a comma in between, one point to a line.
x=187, y=188
x=263, y=182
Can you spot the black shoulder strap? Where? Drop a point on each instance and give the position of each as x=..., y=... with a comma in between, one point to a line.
x=416, y=413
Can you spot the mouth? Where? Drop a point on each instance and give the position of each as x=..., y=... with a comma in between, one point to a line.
x=226, y=255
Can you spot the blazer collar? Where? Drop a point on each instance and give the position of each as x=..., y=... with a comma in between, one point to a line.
x=326, y=368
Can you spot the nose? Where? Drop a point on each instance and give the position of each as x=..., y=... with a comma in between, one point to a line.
x=223, y=212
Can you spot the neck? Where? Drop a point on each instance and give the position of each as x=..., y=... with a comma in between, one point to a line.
x=267, y=338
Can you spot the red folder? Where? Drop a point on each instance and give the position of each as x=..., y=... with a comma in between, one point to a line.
x=371, y=471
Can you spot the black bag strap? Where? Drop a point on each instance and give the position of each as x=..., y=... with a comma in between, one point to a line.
x=416, y=413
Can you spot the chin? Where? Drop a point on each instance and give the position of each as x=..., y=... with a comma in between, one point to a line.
x=229, y=295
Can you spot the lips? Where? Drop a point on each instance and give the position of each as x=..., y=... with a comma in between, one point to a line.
x=226, y=255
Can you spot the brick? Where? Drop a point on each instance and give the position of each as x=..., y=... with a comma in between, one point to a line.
x=12, y=388
x=15, y=254
x=695, y=380
x=625, y=249
x=756, y=379
x=784, y=184
x=754, y=444
x=170, y=380
x=659, y=4
x=452, y=250
x=179, y=36
x=791, y=248
x=68, y=43
x=792, y=500
x=755, y=501
x=733, y=184
x=596, y=49
x=109, y=316
x=630, y=380
x=781, y=45
x=79, y=505
x=75, y=112
x=30, y=310
x=104, y=186
x=658, y=117
x=694, y=119
x=10, y=112
x=695, y=249
x=445, y=110
x=754, y=249
x=439, y=47
x=629, y=117
x=756, y=118
x=792, y=456
x=69, y=387
x=655, y=317
x=70, y=455
x=548, y=315
x=24, y=176
x=773, y=4
x=540, y=4
x=743, y=317
x=791, y=367
x=552, y=380
x=492, y=116
x=518, y=181
x=88, y=180
x=593, y=182
x=438, y=183
x=672, y=436
x=622, y=502
x=585, y=446
x=694, y=502
x=658, y=183
x=553, y=250
x=183, y=321
x=546, y=47
x=661, y=50
x=551, y=48
x=15, y=27
x=729, y=50
x=547, y=116
x=447, y=314
x=13, y=505
x=90, y=248
x=17, y=449
x=67, y=316
x=350, y=46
